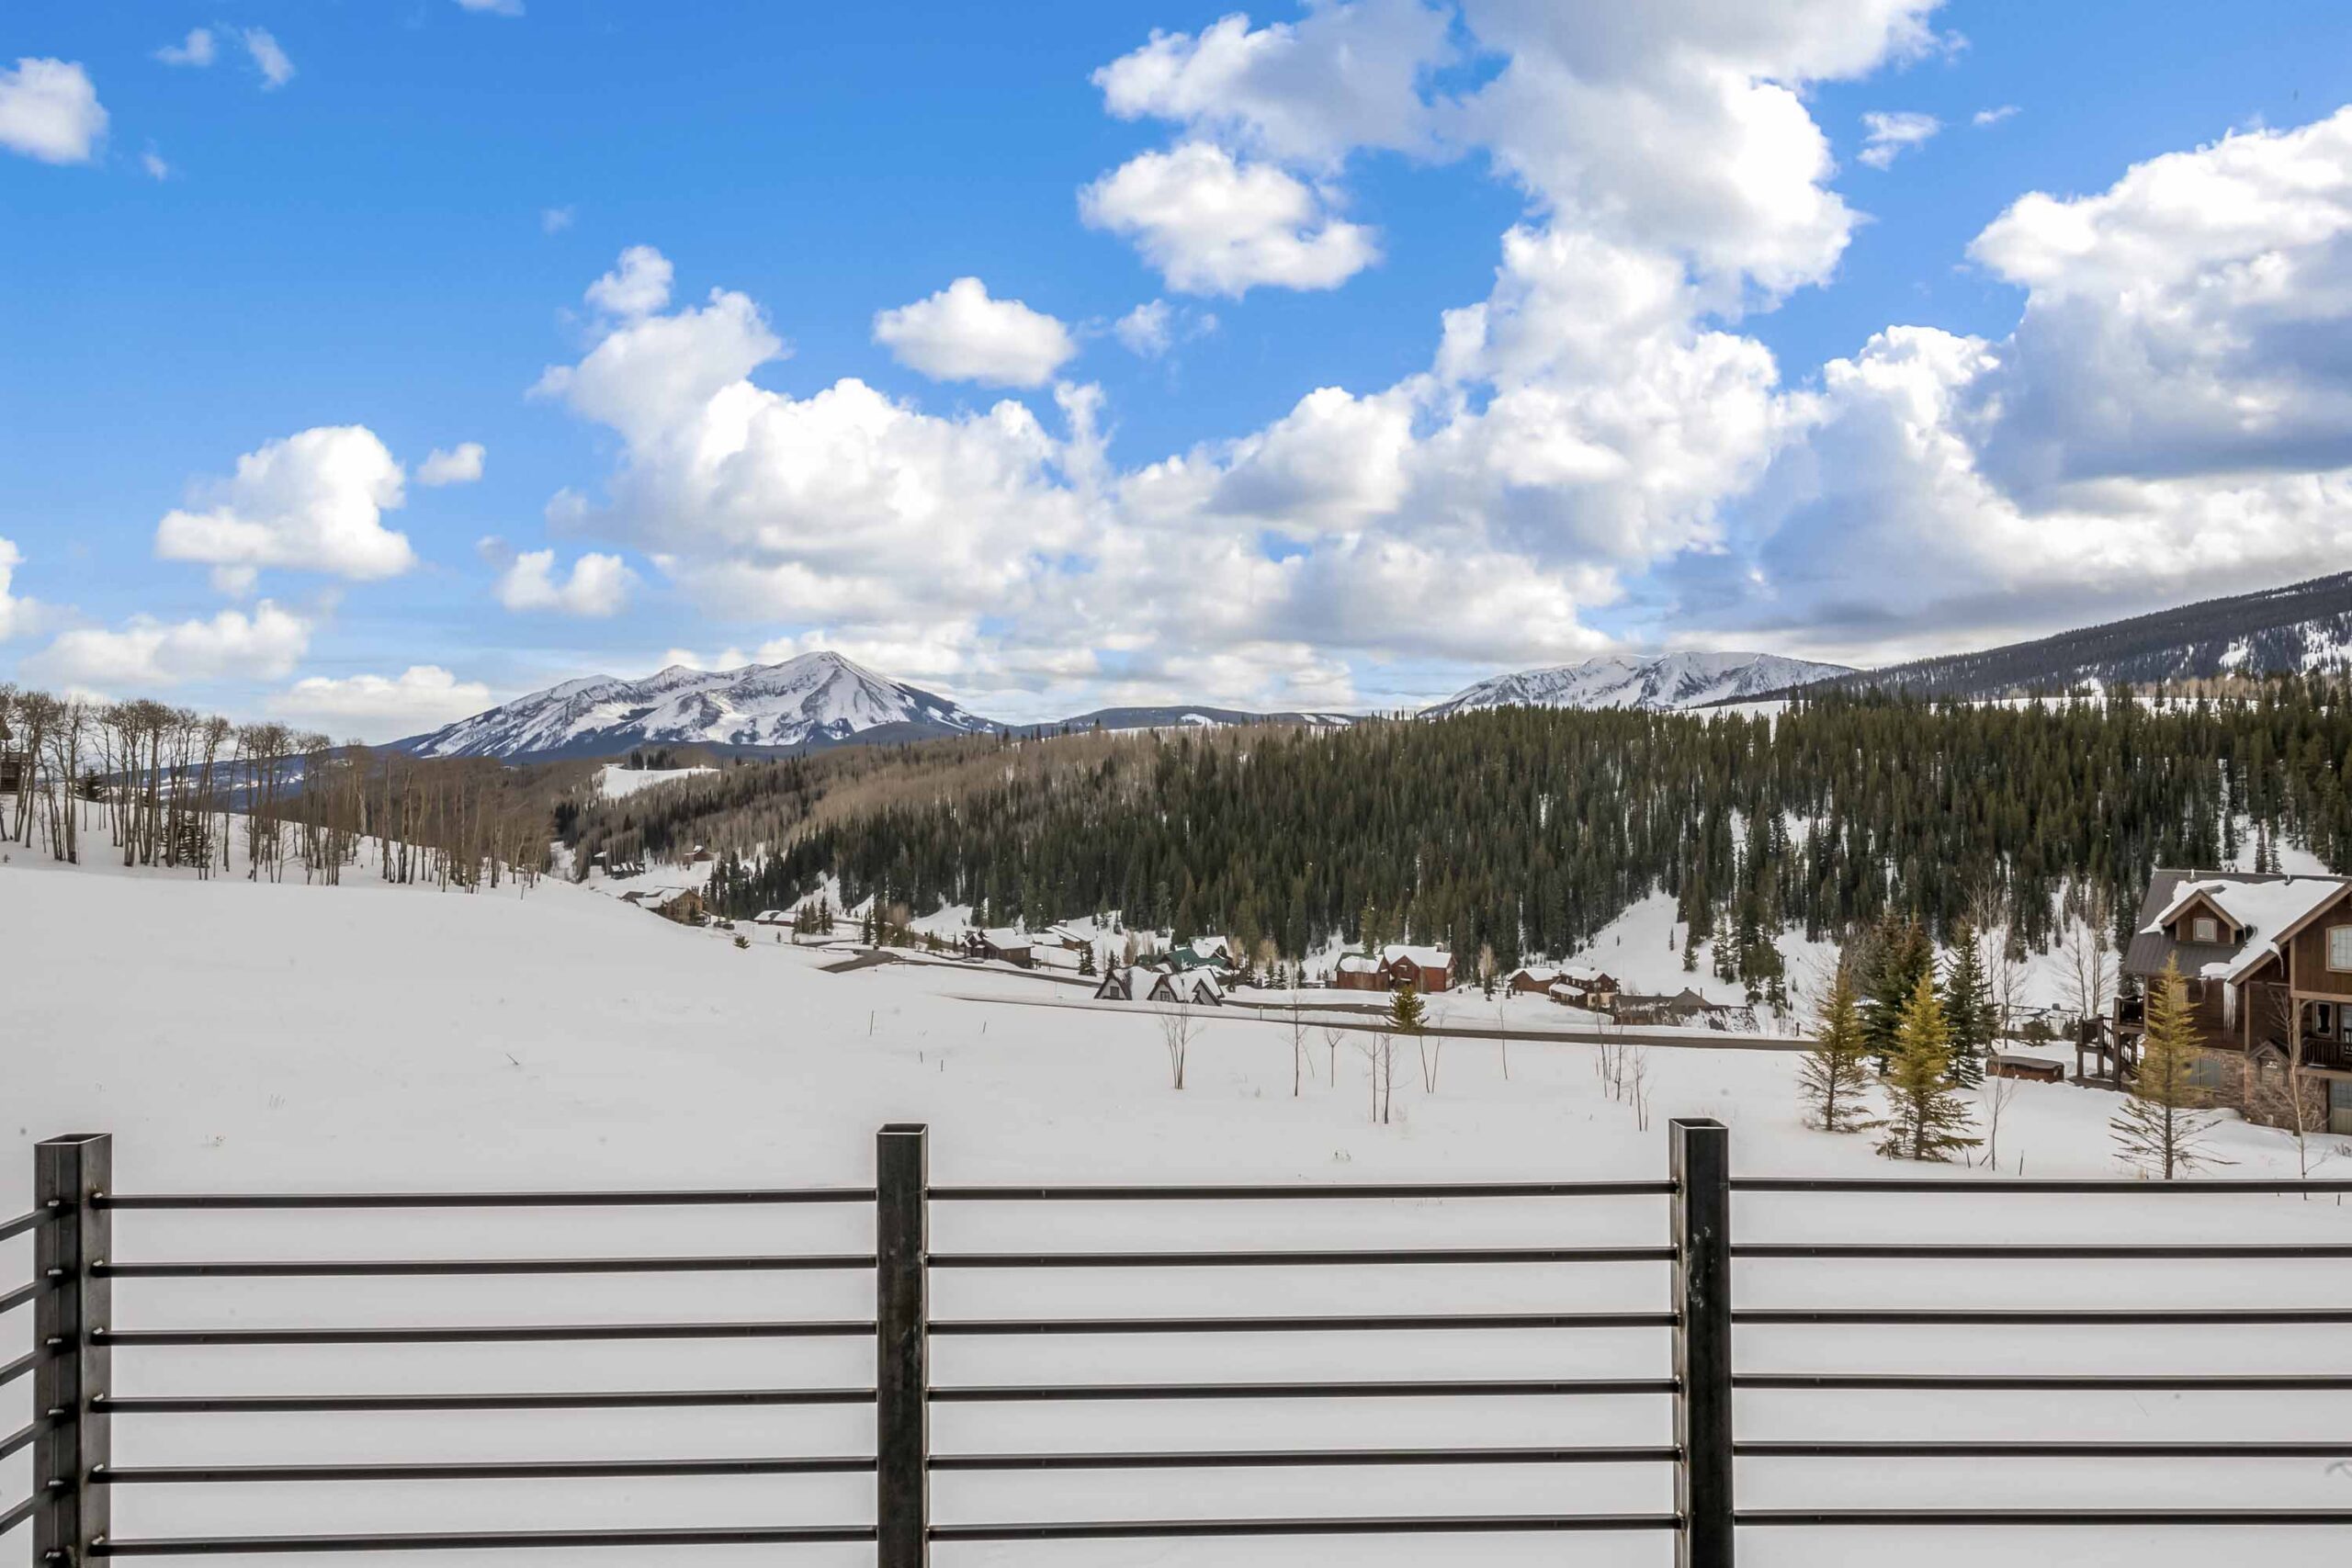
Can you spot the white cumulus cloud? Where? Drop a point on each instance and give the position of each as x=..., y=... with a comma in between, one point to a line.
x=598, y=584
x=19, y=617
x=381, y=707
x=311, y=501
x=2172, y=415
x=1983, y=119
x=145, y=652
x=49, y=111
x=199, y=49
x=1343, y=76
x=492, y=7
x=637, y=286
x=460, y=465
x=1887, y=136
x=1216, y=224
x=268, y=58
x=1154, y=327
x=962, y=334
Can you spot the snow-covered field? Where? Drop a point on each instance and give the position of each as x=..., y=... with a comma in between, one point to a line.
x=235, y=1037
x=617, y=783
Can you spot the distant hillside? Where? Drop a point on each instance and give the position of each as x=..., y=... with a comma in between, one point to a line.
x=1659, y=684
x=2300, y=628
x=1193, y=716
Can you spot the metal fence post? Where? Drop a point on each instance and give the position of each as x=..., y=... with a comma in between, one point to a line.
x=1701, y=1165
x=902, y=1324
x=72, y=1441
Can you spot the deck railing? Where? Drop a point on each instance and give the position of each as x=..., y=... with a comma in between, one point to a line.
x=75, y=1407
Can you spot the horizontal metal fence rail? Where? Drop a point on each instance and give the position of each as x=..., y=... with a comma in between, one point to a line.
x=2021, y=1187
x=1358, y=1324
x=2038, y=1252
x=487, y=1334
x=2043, y=1518
x=721, y=1198
x=375, y=1268
x=530, y=1470
x=1294, y=1192
x=1313, y=1258
x=484, y=1541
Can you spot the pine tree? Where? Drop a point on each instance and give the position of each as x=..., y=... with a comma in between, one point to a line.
x=1902, y=958
x=2162, y=1125
x=1832, y=1078
x=1968, y=1010
x=1405, y=1011
x=1927, y=1120
x=1086, y=959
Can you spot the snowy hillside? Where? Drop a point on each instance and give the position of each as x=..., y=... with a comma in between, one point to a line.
x=1619, y=681
x=2300, y=628
x=573, y=1042
x=617, y=783
x=816, y=698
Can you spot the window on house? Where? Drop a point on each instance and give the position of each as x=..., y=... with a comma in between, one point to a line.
x=2205, y=928
x=2339, y=947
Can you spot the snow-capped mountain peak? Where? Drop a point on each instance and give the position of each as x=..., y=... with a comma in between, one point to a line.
x=1625, y=680
x=815, y=698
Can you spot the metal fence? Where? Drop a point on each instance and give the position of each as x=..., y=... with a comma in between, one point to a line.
x=73, y=1407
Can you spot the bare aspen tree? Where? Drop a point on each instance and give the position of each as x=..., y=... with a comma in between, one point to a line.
x=2304, y=1109
x=1995, y=1094
x=1298, y=1045
x=1176, y=1025
x=1379, y=1052
x=2090, y=977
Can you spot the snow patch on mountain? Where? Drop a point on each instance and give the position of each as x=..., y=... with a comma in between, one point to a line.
x=816, y=698
x=1661, y=683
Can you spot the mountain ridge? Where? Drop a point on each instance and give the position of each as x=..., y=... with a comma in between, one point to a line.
x=1656, y=683
x=815, y=699
x=2300, y=626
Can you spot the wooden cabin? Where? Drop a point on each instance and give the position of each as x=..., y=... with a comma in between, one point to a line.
x=1530, y=982
x=2267, y=958
x=1003, y=946
x=1121, y=984
x=1425, y=969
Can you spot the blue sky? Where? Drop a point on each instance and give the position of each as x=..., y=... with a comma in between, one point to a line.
x=398, y=237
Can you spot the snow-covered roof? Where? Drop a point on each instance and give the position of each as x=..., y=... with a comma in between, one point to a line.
x=2263, y=907
x=1355, y=963
x=1055, y=957
x=1006, y=937
x=1426, y=957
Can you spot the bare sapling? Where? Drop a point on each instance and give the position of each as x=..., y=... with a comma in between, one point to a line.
x=1299, y=1068
x=1176, y=1026
x=1380, y=1059
x=1994, y=1095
